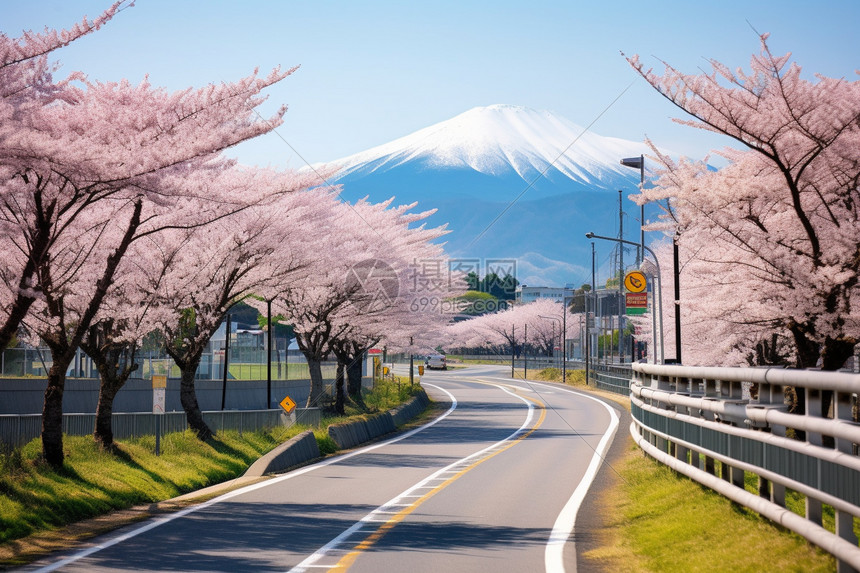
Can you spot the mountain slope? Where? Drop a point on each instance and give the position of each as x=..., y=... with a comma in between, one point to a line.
x=511, y=182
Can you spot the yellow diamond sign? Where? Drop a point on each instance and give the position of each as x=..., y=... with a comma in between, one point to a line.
x=288, y=405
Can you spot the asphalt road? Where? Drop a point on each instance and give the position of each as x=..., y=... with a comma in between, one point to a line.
x=494, y=484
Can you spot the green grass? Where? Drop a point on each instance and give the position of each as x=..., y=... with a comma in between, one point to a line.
x=34, y=497
x=293, y=371
x=657, y=520
x=387, y=394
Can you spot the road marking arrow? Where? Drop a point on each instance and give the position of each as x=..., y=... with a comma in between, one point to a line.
x=288, y=405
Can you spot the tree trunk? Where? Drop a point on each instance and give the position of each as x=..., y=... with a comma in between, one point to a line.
x=17, y=312
x=835, y=353
x=52, y=415
x=353, y=374
x=188, y=399
x=808, y=351
x=103, y=431
x=315, y=368
x=339, y=393
x=115, y=362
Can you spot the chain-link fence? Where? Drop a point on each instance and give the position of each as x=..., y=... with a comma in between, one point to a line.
x=243, y=364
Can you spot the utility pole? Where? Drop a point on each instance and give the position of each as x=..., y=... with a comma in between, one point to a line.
x=594, y=308
x=620, y=279
x=564, y=343
x=677, y=299
x=525, y=352
x=269, y=357
x=226, y=364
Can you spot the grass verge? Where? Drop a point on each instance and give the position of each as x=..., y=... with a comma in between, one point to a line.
x=658, y=520
x=38, y=501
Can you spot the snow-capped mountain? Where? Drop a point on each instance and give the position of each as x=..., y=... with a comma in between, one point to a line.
x=500, y=139
x=511, y=182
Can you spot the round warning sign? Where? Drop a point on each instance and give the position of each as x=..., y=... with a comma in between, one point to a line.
x=635, y=281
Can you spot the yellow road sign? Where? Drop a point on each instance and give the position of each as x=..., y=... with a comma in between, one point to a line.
x=635, y=281
x=288, y=405
x=159, y=381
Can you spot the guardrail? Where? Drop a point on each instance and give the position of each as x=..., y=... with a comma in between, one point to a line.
x=17, y=430
x=690, y=418
x=612, y=377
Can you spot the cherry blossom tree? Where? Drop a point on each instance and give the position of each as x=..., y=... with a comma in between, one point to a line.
x=128, y=313
x=97, y=142
x=778, y=227
x=519, y=325
x=26, y=86
x=405, y=307
x=347, y=301
x=206, y=270
x=132, y=151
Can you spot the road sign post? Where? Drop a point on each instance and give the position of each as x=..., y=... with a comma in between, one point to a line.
x=159, y=399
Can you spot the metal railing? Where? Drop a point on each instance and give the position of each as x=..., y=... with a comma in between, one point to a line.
x=690, y=418
x=612, y=377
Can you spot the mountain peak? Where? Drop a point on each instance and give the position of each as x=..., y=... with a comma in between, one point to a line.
x=502, y=139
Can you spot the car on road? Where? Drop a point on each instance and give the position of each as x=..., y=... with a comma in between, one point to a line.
x=436, y=361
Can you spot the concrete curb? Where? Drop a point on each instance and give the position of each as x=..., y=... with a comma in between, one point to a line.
x=350, y=434
x=303, y=448
x=411, y=408
x=295, y=451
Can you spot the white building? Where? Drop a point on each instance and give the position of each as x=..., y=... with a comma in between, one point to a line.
x=526, y=294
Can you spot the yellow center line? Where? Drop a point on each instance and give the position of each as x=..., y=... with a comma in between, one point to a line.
x=349, y=559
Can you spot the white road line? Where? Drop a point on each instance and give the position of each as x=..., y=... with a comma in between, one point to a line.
x=335, y=543
x=566, y=520
x=307, y=469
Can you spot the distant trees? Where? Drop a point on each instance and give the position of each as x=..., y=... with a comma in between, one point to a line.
x=501, y=287
x=538, y=324
x=776, y=233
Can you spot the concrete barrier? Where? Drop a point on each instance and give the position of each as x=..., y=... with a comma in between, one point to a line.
x=411, y=408
x=295, y=451
x=303, y=448
x=350, y=434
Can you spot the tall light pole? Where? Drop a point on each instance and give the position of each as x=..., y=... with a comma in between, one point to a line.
x=658, y=287
x=639, y=163
x=620, y=279
x=676, y=268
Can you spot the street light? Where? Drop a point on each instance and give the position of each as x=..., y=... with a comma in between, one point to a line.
x=563, y=325
x=659, y=287
x=639, y=163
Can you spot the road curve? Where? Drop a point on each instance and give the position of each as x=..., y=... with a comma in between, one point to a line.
x=493, y=484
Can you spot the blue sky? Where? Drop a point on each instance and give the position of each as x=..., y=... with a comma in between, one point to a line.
x=374, y=71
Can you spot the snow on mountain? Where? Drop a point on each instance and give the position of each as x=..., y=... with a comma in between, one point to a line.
x=511, y=183
x=498, y=139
